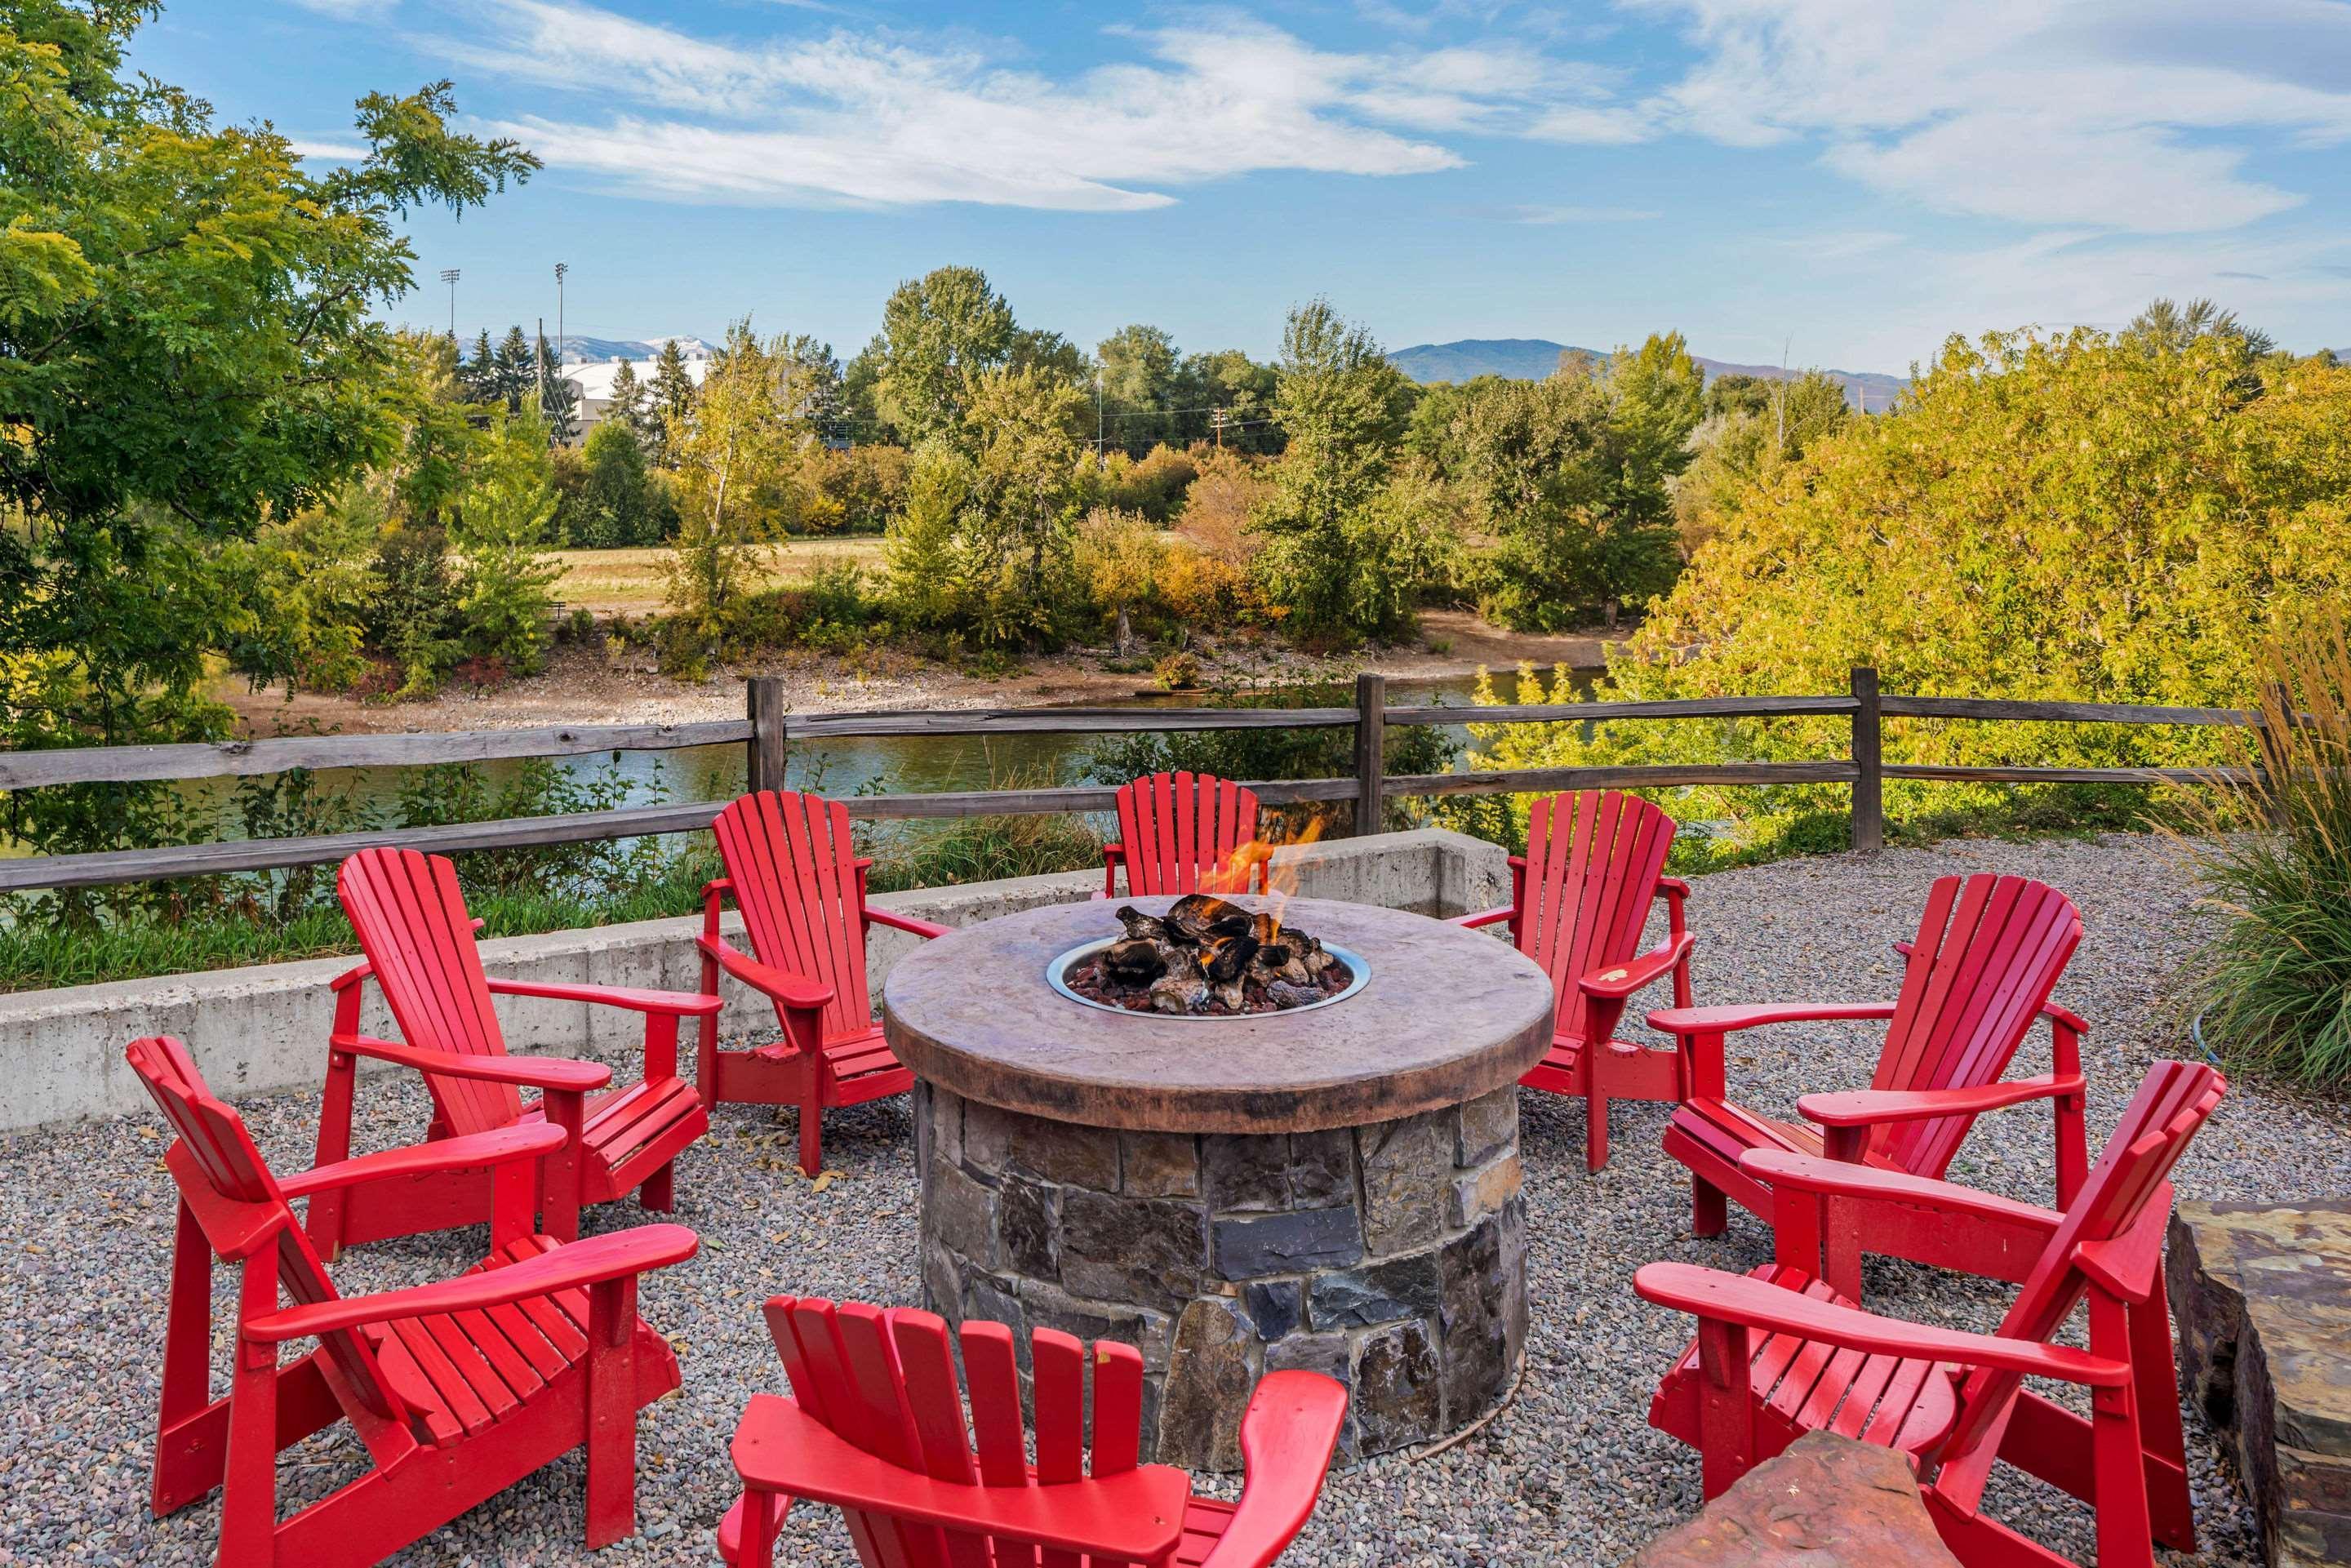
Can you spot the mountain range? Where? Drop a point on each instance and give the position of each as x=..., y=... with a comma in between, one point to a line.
x=1532, y=358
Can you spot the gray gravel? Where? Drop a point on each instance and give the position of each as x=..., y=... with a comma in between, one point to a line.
x=1570, y=1473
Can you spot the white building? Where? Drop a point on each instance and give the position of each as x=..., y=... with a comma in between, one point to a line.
x=591, y=383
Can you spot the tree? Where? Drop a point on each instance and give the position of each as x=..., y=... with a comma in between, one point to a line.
x=1744, y=439
x=1229, y=383
x=1138, y=382
x=517, y=369
x=503, y=539
x=630, y=406
x=2068, y=518
x=727, y=451
x=558, y=399
x=1026, y=493
x=430, y=404
x=672, y=400
x=479, y=374
x=811, y=380
x=939, y=333
x=612, y=491
x=1657, y=395
x=189, y=346
x=1118, y=558
x=922, y=553
x=1531, y=459
x=1341, y=406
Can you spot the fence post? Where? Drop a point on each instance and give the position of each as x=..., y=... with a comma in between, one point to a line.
x=1370, y=750
x=764, y=753
x=1869, y=759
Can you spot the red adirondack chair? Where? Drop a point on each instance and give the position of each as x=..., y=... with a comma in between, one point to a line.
x=412, y=924
x=793, y=871
x=1179, y=832
x=874, y=1426
x=1578, y=897
x=456, y=1390
x=1780, y=1353
x=1988, y=954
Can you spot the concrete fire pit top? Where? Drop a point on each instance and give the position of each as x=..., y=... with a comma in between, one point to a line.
x=1447, y=1015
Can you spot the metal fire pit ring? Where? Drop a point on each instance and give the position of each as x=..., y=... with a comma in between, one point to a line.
x=1358, y=968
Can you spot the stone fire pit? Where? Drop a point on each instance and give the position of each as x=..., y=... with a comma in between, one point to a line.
x=1335, y=1188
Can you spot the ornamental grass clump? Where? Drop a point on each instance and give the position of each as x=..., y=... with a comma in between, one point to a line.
x=2276, y=856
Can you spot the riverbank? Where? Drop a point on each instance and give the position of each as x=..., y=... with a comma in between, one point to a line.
x=618, y=686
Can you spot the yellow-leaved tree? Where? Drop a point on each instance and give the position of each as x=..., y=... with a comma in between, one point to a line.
x=2116, y=518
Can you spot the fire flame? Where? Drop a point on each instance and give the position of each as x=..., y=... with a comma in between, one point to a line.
x=1240, y=869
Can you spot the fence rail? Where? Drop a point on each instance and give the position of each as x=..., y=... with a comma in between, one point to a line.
x=767, y=730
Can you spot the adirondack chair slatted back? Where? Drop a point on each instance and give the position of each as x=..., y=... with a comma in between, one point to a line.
x=1180, y=831
x=221, y=1174
x=793, y=864
x=412, y=924
x=1988, y=952
x=1594, y=859
x=2173, y=1100
x=886, y=1381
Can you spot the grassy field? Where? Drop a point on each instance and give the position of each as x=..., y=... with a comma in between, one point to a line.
x=632, y=580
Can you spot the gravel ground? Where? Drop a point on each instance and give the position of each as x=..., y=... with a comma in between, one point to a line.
x=1569, y=1473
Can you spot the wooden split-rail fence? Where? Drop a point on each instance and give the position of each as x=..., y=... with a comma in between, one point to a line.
x=766, y=731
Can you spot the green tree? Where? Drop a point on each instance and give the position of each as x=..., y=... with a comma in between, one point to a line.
x=558, y=399
x=727, y=451
x=479, y=375
x=1744, y=438
x=517, y=369
x=1532, y=461
x=630, y=406
x=1138, y=369
x=503, y=539
x=615, y=501
x=1341, y=406
x=1028, y=489
x=1229, y=384
x=939, y=333
x=189, y=346
x=922, y=552
x=673, y=394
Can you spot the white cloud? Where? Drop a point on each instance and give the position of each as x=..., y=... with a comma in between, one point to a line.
x=874, y=120
x=328, y=151
x=1540, y=214
x=2106, y=112
x=350, y=10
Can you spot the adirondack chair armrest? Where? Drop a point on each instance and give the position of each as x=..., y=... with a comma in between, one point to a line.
x=1133, y=1517
x=1288, y=1435
x=1487, y=917
x=1782, y=1170
x=570, y=1267
x=556, y=1074
x=1755, y=1304
x=1685, y=1022
x=925, y=929
x=351, y=977
x=1672, y=887
x=787, y=990
x=2129, y=1267
x=1869, y=1107
x=1114, y=857
x=686, y=1004
x=1616, y=983
x=473, y=1151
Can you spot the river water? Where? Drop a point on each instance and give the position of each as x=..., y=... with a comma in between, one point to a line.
x=839, y=767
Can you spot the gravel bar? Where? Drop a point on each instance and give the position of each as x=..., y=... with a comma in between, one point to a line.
x=1569, y=1473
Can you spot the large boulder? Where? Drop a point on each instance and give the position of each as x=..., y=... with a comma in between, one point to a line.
x=2262, y=1294
x=1827, y=1502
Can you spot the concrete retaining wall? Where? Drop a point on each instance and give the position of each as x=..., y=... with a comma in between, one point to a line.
x=264, y=1029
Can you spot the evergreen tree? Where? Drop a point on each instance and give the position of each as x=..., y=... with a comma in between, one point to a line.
x=628, y=408
x=478, y=376
x=558, y=399
x=517, y=374
x=921, y=554
x=672, y=402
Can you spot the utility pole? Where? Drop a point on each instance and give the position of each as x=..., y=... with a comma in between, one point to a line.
x=449, y=277
x=1216, y=420
x=561, y=269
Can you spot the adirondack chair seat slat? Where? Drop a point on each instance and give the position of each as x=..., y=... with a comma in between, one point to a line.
x=1904, y=1403
x=793, y=871
x=647, y=1121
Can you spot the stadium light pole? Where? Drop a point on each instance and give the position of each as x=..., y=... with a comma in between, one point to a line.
x=449, y=277
x=561, y=269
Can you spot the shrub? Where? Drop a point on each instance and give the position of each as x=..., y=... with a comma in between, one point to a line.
x=412, y=614
x=1176, y=672
x=1154, y=485
x=2275, y=985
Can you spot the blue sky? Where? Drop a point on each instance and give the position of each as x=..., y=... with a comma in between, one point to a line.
x=1849, y=179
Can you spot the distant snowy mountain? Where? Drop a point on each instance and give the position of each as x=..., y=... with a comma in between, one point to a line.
x=1532, y=358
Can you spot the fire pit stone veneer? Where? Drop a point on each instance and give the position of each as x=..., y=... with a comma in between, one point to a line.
x=1336, y=1189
